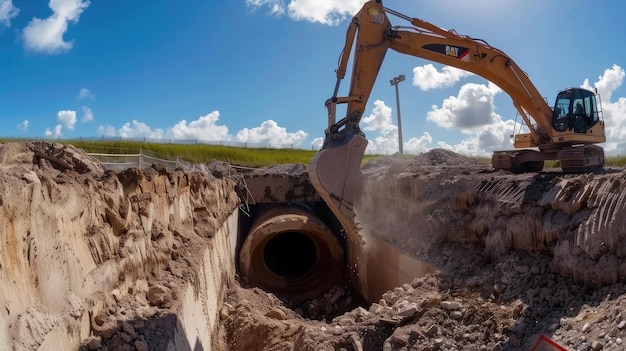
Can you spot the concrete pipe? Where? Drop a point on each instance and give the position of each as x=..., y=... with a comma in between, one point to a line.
x=289, y=250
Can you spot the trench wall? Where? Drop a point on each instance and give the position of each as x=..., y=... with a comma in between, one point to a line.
x=82, y=254
x=578, y=219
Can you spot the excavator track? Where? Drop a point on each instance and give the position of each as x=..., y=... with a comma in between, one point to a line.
x=581, y=159
x=519, y=161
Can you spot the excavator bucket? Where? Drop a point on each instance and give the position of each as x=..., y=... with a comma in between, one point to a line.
x=334, y=172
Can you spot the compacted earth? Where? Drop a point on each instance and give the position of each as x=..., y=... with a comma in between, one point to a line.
x=103, y=260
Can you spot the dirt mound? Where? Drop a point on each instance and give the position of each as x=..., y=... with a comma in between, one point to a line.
x=50, y=156
x=433, y=162
x=445, y=157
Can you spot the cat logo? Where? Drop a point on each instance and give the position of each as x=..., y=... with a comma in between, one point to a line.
x=452, y=51
x=457, y=52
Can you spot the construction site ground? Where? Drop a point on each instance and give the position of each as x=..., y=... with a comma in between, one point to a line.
x=102, y=260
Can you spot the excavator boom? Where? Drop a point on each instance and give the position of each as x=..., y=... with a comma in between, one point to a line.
x=559, y=133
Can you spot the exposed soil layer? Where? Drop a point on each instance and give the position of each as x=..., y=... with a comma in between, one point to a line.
x=110, y=260
x=518, y=256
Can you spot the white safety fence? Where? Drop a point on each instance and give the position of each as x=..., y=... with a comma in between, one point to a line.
x=144, y=159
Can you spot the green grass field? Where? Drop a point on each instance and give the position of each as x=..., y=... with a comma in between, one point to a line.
x=248, y=157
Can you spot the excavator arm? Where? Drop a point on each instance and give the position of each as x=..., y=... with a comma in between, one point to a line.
x=334, y=170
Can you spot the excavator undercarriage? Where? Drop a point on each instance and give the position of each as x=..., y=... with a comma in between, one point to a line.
x=572, y=159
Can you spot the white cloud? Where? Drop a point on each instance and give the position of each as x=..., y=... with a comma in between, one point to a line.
x=472, y=108
x=276, y=7
x=7, y=11
x=46, y=35
x=54, y=133
x=271, y=133
x=614, y=111
x=317, y=143
x=484, y=141
x=67, y=118
x=204, y=128
x=136, y=129
x=466, y=112
x=23, y=126
x=416, y=145
x=329, y=12
x=380, y=119
x=428, y=77
x=131, y=130
x=84, y=93
x=87, y=114
x=108, y=131
x=386, y=142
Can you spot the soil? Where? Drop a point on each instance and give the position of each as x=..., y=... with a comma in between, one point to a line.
x=108, y=257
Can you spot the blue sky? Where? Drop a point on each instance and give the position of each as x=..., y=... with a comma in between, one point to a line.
x=259, y=71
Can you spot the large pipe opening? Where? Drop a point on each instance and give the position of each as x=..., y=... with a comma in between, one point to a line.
x=290, y=250
x=283, y=261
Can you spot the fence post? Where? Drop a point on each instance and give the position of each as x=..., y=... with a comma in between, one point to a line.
x=140, y=158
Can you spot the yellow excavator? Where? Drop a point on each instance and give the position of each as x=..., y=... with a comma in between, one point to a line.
x=565, y=132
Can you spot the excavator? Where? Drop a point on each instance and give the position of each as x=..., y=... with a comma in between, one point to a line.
x=565, y=132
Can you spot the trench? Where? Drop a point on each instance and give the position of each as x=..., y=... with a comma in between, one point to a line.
x=293, y=250
x=300, y=252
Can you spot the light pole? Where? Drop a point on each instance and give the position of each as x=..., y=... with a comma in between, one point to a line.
x=395, y=82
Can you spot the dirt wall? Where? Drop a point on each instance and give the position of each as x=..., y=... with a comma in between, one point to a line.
x=89, y=255
x=420, y=203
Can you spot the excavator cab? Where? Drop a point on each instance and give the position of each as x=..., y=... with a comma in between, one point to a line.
x=575, y=110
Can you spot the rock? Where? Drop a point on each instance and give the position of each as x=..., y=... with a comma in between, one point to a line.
x=585, y=328
x=141, y=345
x=432, y=331
x=336, y=296
x=597, y=345
x=535, y=269
x=514, y=341
x=108, y=333
x=94, y=344
x=224, y=313
x=129, y=329
x=31, y=177
x=126, y=337
x=355, y=341
x=276, y=313
x=456, y=315
x=498, y=288
x=450, y=305
x=621, y=324
x=159, y=295
x=408, y=310
x=390, y=298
